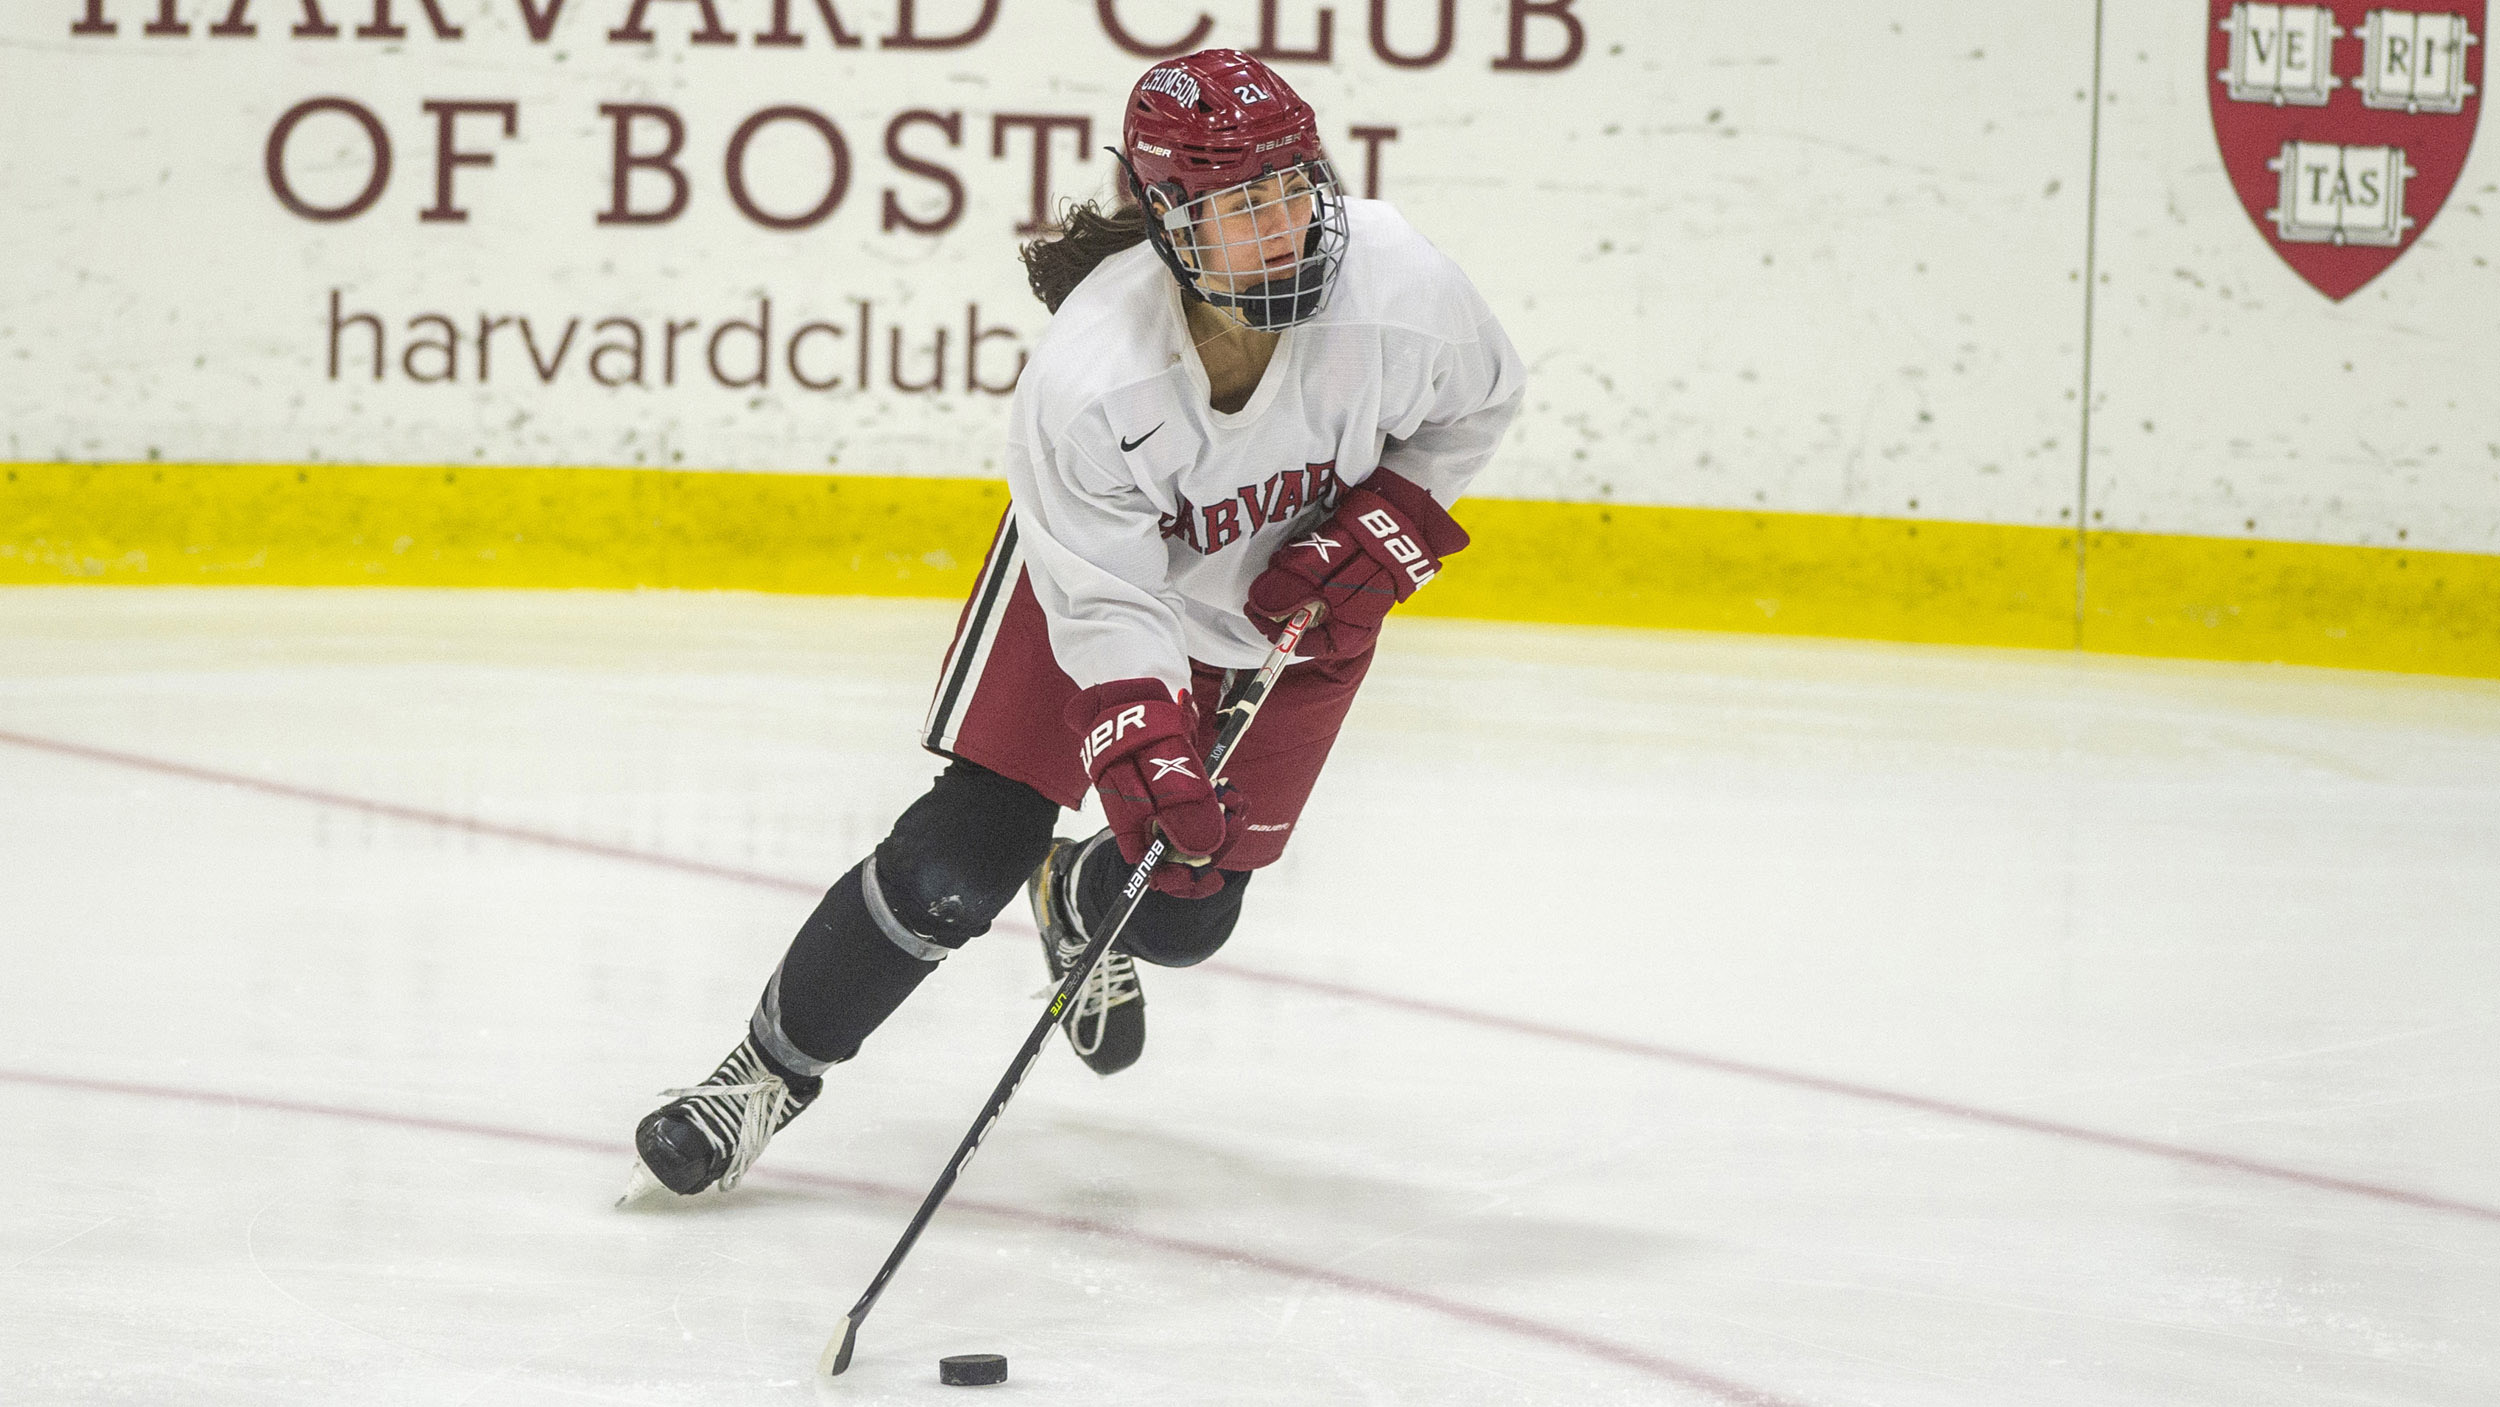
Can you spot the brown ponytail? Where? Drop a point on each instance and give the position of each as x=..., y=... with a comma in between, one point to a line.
x=1085, y=236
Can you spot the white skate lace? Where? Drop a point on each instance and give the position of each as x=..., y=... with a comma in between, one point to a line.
x=1113, y=981
x=739, y=1117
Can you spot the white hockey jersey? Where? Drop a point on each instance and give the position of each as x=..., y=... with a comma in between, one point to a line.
x=1143, y=513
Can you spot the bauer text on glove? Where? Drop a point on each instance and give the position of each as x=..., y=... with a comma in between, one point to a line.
x=1138, y=746
x=1384, y=541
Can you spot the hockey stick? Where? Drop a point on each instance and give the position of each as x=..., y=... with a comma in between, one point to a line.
x=1237, y=719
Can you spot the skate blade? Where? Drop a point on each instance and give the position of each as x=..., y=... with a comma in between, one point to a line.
x=640, y=1186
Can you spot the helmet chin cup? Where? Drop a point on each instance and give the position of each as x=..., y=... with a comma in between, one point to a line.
x=1278, y=303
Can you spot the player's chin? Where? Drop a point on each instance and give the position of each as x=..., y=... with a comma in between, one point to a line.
x=1251, y=283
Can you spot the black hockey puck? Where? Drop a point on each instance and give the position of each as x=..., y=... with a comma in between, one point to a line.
x=973, y=1369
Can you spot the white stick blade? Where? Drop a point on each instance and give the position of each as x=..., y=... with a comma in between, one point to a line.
x=837, y=1354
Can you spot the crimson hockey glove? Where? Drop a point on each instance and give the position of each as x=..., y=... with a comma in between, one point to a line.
x=1140, y=750
x=1386, y=539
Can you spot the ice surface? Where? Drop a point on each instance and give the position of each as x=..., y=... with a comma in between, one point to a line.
x=1637, y=1019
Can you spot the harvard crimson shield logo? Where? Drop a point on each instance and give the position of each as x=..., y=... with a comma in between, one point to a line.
x=2344, y=126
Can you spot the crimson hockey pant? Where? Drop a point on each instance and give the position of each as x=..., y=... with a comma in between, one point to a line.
x=959, y=854
x=1002, y=702
x=955, y=858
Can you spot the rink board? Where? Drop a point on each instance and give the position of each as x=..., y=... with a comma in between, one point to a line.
x=1571, y=563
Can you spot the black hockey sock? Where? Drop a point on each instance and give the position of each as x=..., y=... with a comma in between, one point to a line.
x=1165, y=931
x=840, y=980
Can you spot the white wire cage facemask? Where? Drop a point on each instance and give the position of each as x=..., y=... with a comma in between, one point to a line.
x=1267, y=250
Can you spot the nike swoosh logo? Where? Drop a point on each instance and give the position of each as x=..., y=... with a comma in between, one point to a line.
x=1128, y=445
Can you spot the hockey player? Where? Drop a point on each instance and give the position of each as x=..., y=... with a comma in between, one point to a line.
x=1255, y=392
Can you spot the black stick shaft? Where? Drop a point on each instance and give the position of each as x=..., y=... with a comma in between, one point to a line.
x=1237, y=720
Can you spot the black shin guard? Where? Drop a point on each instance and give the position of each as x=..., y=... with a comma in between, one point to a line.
x=840, y=980
x=1165, y=931
x=953, y=860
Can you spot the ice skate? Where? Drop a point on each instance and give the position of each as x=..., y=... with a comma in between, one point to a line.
x=709, y=1135
x=1106, y=1025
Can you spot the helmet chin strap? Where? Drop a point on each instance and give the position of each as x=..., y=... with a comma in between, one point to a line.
x=1155, y=233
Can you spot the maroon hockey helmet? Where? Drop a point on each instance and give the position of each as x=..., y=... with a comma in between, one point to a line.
x=1222, y=152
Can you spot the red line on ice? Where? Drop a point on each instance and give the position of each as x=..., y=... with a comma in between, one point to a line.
x=1851, y=1090
x=1847, y=1089
x=1623, y=1355
x=393, y=810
